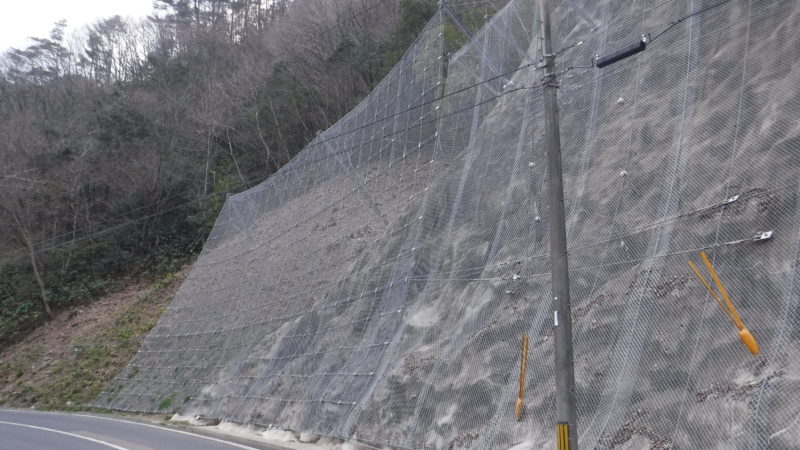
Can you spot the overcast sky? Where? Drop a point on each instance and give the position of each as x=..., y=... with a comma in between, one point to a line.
x=23, y=18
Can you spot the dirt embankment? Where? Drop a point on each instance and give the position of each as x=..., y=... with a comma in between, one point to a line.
x=67, y=361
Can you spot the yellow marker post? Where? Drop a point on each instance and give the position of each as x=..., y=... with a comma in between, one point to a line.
x=745, y=335
x=523, y=368
x=562, y=436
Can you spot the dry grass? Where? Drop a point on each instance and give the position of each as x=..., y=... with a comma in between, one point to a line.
x=65, y=363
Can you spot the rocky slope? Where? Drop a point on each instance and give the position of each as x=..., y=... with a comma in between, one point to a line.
x=376, y=288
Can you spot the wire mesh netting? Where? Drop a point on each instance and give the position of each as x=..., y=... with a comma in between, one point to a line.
x=376, y=287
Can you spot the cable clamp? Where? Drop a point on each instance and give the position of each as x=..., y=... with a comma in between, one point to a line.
x=763, y=236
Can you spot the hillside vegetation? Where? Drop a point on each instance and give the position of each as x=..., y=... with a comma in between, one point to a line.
x=119, y=145
x=65, y=363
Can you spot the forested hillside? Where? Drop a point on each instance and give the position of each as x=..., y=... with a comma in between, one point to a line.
x=119, y=145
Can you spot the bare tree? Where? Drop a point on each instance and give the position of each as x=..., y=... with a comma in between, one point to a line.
x=20, y=219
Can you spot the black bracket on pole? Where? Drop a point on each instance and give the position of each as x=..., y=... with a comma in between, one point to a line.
x=602, y=61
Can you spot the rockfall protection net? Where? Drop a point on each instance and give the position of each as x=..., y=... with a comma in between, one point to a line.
x=377, y=286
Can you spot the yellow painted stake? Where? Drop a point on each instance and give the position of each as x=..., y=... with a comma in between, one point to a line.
x=745, y=335
x=562, y=436
x=523, y=368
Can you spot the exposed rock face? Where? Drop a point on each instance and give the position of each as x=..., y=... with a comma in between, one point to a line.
x=377, y=286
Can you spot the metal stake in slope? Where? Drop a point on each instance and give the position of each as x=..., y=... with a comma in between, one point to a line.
x=745, y=335
x=523, y=368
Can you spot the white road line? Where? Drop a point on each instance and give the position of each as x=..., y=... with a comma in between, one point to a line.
x=233, y=444
x=97, y=441
x=169, y=429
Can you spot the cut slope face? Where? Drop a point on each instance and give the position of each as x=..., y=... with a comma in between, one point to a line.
x=376, y=287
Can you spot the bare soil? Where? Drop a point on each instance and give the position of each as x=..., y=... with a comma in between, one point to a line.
x=66, y=361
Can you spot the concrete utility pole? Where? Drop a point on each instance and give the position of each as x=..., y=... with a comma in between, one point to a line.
x=566, y=415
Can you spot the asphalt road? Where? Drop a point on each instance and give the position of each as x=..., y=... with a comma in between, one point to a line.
x=35, y=430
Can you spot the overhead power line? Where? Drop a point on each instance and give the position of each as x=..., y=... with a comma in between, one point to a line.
x=673, y=24
x=11, y=256
x=15, y=254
